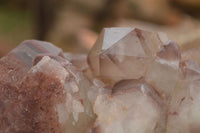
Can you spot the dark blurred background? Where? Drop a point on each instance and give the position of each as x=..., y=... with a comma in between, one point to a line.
x=75, y=24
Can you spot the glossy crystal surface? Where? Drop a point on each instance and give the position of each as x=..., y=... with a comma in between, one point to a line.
x=120, y=48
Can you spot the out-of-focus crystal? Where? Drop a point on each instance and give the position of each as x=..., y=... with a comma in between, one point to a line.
x=44, y=92
x=191, y=53
x=78, y=60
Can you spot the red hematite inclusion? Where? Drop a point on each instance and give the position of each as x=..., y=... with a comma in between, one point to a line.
x=146, y=88
x=47, y=97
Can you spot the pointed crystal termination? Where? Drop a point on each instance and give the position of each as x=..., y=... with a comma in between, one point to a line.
x=14, y=66
x=39, y=90
x=123, y=53
x=51, y=96
x=163, y=72
x=133, y=106
x=78, y=60
x=20, y=60
x=184, y=108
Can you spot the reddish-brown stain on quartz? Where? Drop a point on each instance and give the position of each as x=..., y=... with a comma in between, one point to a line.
x=34, y=111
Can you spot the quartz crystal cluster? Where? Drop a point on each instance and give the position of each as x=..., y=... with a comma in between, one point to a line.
x=42, y=92
x=132, y=81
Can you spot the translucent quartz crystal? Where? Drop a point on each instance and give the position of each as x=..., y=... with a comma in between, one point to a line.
x=184, y=108
x=132, y=106
x=124, y=53
x=78, y=60
x=163, y=72
x=50, y=96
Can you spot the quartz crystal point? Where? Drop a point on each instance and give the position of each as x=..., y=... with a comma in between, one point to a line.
x=124, y=53
x=184, y=108
x=163, y=72
x=78, y=60
x=42, y=92
x=133, y=106
x=14, y=66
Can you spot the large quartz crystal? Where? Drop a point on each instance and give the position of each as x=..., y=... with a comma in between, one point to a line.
x=131, y=53
x=42, y=92
x=132, y=81
x=122, y=53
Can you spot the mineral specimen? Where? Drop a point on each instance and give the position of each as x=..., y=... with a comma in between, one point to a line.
x=48, y=97
x=147, y=86
x=131, y=54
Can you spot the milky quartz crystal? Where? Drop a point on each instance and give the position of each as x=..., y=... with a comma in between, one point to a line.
x=132, y=106
x=42, y=92
x=132, y=81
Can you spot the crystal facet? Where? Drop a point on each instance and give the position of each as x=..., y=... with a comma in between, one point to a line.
x=163, y=72
x=120, y=48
